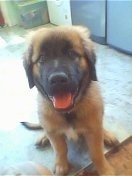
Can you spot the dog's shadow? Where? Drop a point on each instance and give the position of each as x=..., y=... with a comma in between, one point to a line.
x=78, y=154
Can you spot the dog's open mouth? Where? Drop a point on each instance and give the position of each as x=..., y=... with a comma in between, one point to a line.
x=63, y=101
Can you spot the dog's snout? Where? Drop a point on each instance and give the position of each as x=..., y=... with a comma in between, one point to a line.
x=58, y=78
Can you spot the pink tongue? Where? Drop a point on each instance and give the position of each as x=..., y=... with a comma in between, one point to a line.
x=62, y=101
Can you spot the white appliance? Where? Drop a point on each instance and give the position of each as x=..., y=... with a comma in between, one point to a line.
x=59, y=12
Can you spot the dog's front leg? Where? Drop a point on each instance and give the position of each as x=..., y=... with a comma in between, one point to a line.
x=95, y=143
x=59, y=145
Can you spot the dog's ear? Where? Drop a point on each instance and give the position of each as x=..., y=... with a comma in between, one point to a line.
x=27, y=63
x=88, y=49
x=91, y=57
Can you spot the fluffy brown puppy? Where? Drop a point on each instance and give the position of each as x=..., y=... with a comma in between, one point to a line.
x=60, y=62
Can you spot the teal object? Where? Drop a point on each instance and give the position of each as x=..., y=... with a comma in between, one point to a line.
x=33, y=13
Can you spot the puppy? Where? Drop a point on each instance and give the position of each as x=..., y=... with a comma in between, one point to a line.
x=60, y=62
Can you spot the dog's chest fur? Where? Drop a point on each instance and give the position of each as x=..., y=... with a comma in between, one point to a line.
x=72, y=132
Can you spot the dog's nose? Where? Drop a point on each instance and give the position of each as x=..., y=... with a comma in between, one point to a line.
x=58, y=78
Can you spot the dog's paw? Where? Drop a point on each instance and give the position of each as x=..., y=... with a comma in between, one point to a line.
x=111, y=173
x=107, y=170
x=109, y=139
x=61, y=168
x=43, y=141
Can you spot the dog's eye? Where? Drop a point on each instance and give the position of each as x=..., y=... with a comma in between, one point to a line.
x=41, y=59
x=74, y=55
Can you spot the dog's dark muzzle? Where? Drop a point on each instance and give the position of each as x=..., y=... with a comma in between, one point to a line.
x=58, y=78
x=59, y=83
x=61, y=89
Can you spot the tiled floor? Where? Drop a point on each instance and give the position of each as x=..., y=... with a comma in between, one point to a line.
x=17, y=102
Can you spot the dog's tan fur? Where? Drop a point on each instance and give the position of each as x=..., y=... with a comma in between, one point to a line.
x=89, y=108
